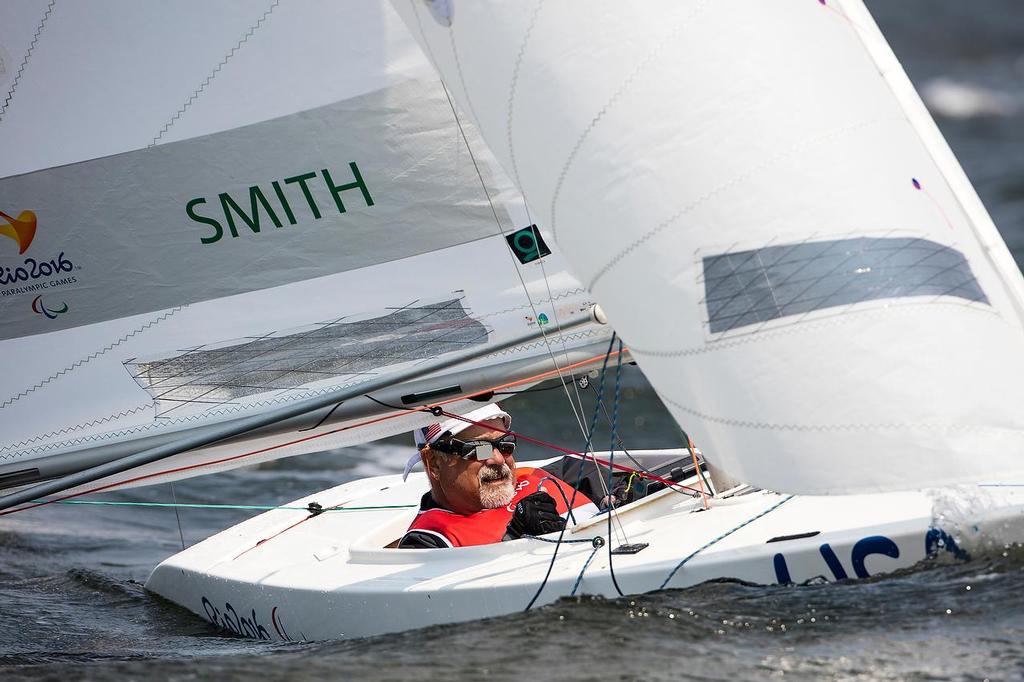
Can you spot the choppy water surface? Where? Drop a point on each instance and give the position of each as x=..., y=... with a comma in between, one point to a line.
x=72, y=604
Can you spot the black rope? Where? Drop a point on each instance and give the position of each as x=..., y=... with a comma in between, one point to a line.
x=325, y=418
x=640, y=468
x=564, y=542
x=177, y=516
x=436, y=410
x=579, y=476
x=560, y=492
x=611, y=462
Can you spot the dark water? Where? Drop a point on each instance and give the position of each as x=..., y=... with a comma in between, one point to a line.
x=72, y=605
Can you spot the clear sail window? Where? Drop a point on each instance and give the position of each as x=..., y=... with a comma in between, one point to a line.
x=743, y=288
x=284, y=360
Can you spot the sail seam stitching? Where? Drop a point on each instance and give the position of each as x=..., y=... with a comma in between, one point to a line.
x=729, y=184
x=510, y=107
x=24, y=62
x=574, y=336
x=91, y=356
x=818, y=428
x=462, y=81
x=797, y=327
x=223, y=62
x=619, y=92
x=69, y=429
x=564, y=294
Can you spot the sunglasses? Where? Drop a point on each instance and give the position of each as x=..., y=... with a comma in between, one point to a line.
x=479, y=449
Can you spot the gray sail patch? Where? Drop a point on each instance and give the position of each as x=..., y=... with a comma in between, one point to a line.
x=343, y=349
x=742, y=288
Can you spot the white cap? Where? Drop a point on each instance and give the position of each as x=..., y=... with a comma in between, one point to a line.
x=432, y=432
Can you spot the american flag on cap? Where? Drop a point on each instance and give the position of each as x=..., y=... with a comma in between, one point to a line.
x=431, y=432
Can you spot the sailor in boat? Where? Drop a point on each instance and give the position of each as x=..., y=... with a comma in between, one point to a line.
x=477, y=493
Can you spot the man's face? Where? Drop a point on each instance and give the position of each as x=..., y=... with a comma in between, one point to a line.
x=467, y=486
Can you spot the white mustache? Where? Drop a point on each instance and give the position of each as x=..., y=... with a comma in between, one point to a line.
x=494, y=472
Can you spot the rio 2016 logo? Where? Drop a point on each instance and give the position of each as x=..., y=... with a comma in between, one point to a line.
x=21, y=229
x=33, y=274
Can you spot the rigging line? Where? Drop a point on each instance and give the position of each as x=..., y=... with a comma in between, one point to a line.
x=314, y=511
x=572, y=453
x=614, y=437
x=568, y=508
x=397, y=407
x=284, y=530
x=325, y=417
x=722, y=537
x=586, y=564
x=526, y=205
x=177, y=516
x=607, y=486
x=613, y=421
x=611, y=458
x=515, y=263
x=640, y=468
x=696, y=468
x=588, y=446
x=575, y=488
x=554, y=311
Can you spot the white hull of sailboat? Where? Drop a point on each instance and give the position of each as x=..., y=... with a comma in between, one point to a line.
x=280, y=577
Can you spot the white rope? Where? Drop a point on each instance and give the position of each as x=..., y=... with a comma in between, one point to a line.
x=515, y=263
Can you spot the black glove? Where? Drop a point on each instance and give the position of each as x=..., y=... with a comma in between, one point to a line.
x=535, y=514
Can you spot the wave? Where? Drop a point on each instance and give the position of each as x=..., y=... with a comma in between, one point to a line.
x=959, y=99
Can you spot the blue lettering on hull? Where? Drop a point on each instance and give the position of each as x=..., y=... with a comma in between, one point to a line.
x=875, y=544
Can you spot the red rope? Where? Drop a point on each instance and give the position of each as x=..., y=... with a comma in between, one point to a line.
x=573, y=453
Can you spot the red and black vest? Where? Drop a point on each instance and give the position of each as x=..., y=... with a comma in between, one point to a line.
x=488, y=525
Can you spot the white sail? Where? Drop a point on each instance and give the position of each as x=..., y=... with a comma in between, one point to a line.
x=198, y=230
x=771, y=221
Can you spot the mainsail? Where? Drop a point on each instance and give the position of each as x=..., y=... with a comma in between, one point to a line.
x=768, y=215
x=288, y=206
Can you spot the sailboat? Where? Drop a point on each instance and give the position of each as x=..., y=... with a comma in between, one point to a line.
x=288, y=259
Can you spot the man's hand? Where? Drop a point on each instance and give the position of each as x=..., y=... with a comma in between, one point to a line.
x=535, y=514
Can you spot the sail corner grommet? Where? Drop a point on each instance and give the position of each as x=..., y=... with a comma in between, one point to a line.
x=598, y=314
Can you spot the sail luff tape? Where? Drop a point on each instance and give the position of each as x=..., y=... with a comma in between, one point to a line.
x=247, y=424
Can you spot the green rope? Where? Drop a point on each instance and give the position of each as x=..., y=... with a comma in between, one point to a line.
x=111, y=503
